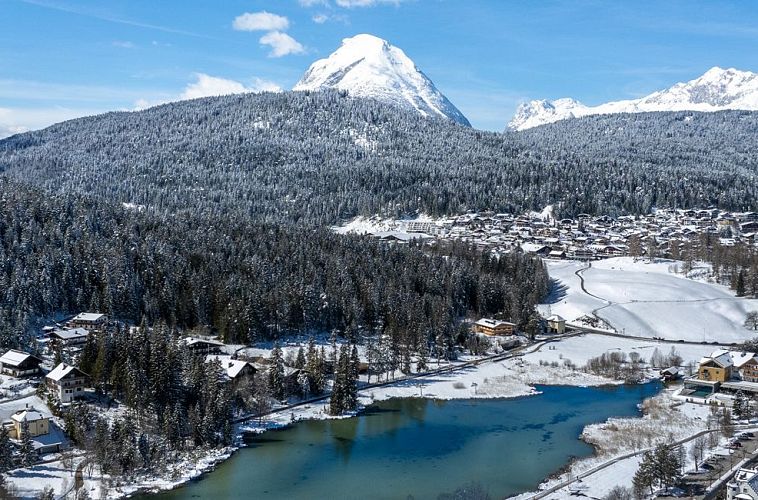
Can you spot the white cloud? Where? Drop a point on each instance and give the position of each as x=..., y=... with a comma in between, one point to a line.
x=83, y=100
x=311, y=3
x=260, y=21
x=206, y=86
x=281, y=44
x=262, y=85
x=349, y=4
x=17, y=120
x=322, y=18
x=124, y=44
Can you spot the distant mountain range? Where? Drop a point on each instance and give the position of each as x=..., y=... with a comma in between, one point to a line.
x=717, y=90
x=370, y=67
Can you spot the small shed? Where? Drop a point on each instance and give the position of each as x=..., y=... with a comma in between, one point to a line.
x=556, y=324
x=668, y=374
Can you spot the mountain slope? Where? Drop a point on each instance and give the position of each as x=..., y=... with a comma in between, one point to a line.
x=369, y=67
x=316, y=158
x=717, y=90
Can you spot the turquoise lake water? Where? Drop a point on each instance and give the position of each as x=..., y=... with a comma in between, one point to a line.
x=420, y=448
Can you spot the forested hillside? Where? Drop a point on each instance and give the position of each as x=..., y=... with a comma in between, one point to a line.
x=319, y=157
x=247, y=280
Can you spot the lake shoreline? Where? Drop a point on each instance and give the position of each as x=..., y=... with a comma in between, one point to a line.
x=243, y=432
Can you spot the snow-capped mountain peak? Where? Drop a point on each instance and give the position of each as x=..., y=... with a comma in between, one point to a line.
x=717, y=89
x=368, y=66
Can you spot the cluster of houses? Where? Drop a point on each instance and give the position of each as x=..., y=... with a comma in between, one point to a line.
x=724, y=371
x=74, y=333
x=585, y=237
x=67, y=383
x=554, y=324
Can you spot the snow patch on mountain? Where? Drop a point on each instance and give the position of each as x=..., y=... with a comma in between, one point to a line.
x=718, y=89
x=370, y=67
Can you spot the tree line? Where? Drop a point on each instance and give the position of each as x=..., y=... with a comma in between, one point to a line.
x=244, y=280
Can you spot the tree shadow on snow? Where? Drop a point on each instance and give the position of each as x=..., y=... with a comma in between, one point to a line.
x=558, y=292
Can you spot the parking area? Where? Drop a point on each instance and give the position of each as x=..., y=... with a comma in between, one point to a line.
x=721, y=460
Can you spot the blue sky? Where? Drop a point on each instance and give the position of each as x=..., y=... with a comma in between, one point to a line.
x=66, y=58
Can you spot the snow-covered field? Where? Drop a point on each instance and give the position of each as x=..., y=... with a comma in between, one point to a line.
x=581, y=348
x=649, y=300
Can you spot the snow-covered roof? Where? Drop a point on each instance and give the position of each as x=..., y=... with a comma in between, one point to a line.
x=739, y=358
x=61, y=371
x=14, y=358
x=556, y=317
x=491, y=323
x=88, y=317
x=532, y=247
x=70, y=333
x=721, y=357
x=192, y=341
x=233, y=367
x=28, y=415
x=726, y=358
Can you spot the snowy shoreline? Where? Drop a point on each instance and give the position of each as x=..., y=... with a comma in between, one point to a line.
x=441, y=390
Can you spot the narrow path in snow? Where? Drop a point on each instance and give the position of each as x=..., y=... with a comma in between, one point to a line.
x=610, y=303
x=580, y=274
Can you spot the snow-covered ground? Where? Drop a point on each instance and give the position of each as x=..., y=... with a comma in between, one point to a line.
x=60, y=475
x=649, y=300
x=581, y=348
x=11, y=387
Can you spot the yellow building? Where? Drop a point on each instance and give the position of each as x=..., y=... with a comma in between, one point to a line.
x=716, y=368
x=37, y=423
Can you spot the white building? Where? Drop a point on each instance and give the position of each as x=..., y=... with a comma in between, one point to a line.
x=743, y=486
x=66, y=382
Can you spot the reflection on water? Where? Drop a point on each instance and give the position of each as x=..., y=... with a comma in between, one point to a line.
x=420, y=449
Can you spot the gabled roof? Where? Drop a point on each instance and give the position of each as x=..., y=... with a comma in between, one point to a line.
x=556, y=317
x=193, y=341
x=63, y=370
x=28, y=415
x=232, y=367
x=15, y=358
x=70, y=333
x=739, y=358
x=720, y=357
x=88, y=317
x=492, y=323
x=533, y=247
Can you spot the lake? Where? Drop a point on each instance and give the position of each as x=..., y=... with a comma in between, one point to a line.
x=420, y=448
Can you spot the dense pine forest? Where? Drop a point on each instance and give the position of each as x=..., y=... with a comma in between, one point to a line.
x=214, y=213
x=317, y=158
x=245, y=280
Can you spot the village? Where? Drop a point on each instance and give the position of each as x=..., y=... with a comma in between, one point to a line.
x=663, y=233
x=45, y=386
x=36, y=428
